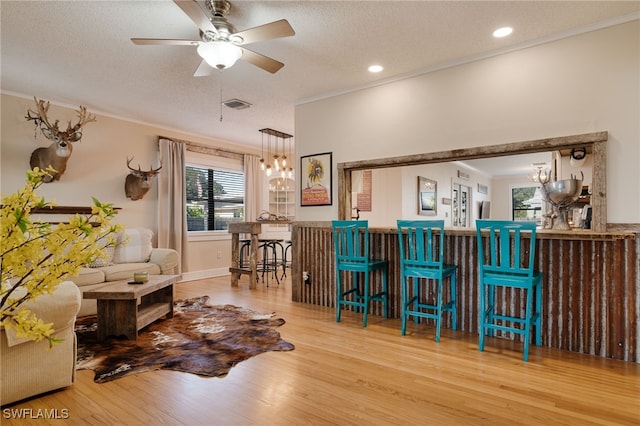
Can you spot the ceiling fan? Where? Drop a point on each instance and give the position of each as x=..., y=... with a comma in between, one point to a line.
x=220, y=45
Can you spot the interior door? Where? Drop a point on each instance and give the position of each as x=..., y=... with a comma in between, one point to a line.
x=460, y=200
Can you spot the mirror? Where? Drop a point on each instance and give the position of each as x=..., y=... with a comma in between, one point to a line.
x=594, y=143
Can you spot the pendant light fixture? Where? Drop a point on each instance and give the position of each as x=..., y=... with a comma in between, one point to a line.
x=268, y=171
x=276, y=157
x=283, y=171
x=290, y=170
x=276, y=151
x=262, y=165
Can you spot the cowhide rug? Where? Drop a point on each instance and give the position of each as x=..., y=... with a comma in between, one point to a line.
x=200, y=339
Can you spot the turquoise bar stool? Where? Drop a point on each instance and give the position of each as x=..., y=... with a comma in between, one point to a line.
x=506, y=260
x=421, y=245
x=351, y=243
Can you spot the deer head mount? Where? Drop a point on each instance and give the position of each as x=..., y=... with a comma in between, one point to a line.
x=57, y=154
x=138, y=181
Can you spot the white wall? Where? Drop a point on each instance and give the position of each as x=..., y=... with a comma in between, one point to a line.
x=501, y=195
x=386, y=197
x=98, y=168
x=582, y=84
x=395, y=192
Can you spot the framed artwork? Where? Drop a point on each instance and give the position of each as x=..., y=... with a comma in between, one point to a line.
x=315, y=182
x=363, y=190
x=427, y=196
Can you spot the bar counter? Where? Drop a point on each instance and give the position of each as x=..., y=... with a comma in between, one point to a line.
x=591, y=285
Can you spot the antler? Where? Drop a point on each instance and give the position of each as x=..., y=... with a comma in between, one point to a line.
x=40, y=119
x=151, y=170
x=83, y=118
x=51, y=131
x=131, y=168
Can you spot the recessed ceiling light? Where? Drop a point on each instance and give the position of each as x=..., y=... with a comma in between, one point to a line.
x=375, y=68
x=502, y=32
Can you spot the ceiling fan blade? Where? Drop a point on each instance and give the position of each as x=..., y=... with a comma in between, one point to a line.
x=261, y=61
x=164, y=42
x=269, y=31
x=203, y=69
x=193, y=10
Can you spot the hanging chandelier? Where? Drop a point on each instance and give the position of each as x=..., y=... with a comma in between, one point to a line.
x=540, y=174
x=277, y=158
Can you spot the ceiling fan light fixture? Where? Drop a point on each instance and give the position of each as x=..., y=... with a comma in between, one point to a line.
x=219, y=54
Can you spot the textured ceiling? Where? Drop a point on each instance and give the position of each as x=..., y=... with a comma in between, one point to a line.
x=79, y=52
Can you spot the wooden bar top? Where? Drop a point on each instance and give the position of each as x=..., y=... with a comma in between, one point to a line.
x=239, y=226
x=543, y=234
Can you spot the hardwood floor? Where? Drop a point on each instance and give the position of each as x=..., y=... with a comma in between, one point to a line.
x=342, y=374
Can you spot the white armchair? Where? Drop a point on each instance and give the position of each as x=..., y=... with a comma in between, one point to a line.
x=29, y=368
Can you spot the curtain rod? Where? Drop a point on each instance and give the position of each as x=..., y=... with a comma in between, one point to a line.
x=210, y=150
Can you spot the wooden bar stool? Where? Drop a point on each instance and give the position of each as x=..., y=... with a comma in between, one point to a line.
x=245, y=245
x=269, y=263
x=351, y=243
x=285, y=262
x=506, y=260
x=422, y=259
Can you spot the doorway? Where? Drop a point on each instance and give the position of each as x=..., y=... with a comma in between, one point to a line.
x=460, y=201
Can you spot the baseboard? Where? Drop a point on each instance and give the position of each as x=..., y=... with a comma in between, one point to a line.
x=206, y=273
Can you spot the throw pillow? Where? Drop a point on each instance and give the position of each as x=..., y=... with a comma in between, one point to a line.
x=134, y=246
x=107, y=260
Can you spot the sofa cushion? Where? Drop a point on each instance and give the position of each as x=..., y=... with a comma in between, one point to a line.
x=124, y=271
x=88, y=276
x=133, y=246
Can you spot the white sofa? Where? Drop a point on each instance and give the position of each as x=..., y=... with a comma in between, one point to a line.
x=30, y=368
x=134, y=253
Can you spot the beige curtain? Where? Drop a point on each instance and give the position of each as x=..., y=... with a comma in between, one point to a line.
x=253, y=188
x=172, y=198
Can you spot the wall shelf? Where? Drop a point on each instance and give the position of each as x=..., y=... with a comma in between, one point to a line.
x=282, y=197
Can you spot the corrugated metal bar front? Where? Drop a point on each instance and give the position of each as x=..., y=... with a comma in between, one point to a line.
x=591, y=287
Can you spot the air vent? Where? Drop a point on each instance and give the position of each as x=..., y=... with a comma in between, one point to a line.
x=237, y=104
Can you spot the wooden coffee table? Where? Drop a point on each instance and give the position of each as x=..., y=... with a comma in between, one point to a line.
x=124, y=309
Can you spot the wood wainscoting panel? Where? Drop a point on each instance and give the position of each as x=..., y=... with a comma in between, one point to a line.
x=591, y=285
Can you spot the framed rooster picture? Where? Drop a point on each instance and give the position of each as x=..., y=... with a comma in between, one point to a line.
x=315, y=182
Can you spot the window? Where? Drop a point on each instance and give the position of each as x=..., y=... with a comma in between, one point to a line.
x=214, y=198
x=527, y=203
